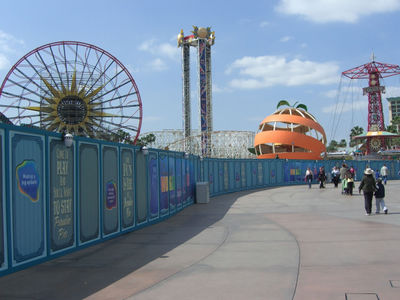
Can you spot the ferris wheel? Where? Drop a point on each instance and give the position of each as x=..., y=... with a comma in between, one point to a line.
x=73, y=87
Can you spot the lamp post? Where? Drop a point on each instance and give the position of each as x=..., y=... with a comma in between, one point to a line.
x=68, y=139
x=144, y=150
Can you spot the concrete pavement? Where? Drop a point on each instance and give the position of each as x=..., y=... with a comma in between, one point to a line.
x=279, y=243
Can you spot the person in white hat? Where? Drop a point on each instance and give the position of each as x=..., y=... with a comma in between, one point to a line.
x=368, y=186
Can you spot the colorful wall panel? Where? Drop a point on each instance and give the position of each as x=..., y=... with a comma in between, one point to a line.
x=28, y=197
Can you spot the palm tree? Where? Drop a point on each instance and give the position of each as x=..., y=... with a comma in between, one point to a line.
x=284, y=102
x=355, y=131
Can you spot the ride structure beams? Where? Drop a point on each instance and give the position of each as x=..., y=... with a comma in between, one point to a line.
x=202, y=39
x=373, y=71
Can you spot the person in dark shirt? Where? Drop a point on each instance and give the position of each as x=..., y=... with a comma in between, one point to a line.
x=380, y=197
x=368, y=186
x=321, y=177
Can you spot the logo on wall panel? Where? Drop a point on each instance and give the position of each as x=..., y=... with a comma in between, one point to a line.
x=111, y=192
x=28, y=179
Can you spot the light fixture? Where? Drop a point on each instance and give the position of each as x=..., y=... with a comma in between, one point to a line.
x=144, y=150
x=186, y=155
x=68, y=139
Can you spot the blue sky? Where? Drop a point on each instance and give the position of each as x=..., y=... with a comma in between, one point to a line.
x=264, y=51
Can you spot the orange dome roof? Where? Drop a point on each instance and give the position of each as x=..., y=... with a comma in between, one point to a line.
x=290, y=133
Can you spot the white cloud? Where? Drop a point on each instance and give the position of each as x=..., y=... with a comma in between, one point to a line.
x=343, y=92
x=8, y=46
x=4, y=62
x=217, y=89
x=264, y=24
x=266, y=71
x=324, y=11
x=158, y=65
x=8, y=42
x=392, y=91
x=286, y=39
x=160, y=49
x=342, y=107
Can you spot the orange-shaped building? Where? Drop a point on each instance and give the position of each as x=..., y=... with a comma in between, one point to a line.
x=290, y=133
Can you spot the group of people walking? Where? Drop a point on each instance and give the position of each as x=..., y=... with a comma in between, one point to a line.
x=370, y=185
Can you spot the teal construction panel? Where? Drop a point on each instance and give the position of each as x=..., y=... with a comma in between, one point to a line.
x=27, y=197
x=178, y=174
x=154, y=185
x=141, y=187
x=260, y=173
x=172, y=183
x=110, y=190
x=3, y=234
x=89, y=192
x=164, y=195
x=128, y=188
x=62, y=196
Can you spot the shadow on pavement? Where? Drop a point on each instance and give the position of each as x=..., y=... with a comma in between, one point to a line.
x=82, y=273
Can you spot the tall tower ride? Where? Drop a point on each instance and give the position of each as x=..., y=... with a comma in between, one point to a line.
x=202, y=38
x=374, y=71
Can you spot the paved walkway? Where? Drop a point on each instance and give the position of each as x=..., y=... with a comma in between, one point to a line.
x=281, y=243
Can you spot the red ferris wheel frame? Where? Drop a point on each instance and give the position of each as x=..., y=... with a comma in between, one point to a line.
x=21, y=69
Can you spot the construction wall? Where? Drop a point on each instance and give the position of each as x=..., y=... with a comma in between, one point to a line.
x=56, y=199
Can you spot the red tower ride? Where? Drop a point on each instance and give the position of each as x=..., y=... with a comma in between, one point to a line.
x=373, y=71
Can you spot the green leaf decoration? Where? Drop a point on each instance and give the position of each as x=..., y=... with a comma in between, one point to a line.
x=303, y=106
x=281, y=103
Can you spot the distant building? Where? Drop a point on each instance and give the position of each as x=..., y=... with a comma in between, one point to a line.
x=394, y=108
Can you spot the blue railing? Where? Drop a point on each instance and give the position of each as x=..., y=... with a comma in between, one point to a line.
x=57, y=199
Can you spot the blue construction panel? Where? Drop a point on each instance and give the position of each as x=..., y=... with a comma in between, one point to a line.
x=172, y=183
x=62, y=196
x=178, y=183
x=164, y=192
x=141, y=187
x=185, y=175
x=231, y=167
x=111, y=207
x=254, y=174
x=89, y=192
x=211, y=176
x=153, y=186
x=249, y=176
x=260, y=173
x=127, y=187
x=28, y=199
x=216, y=177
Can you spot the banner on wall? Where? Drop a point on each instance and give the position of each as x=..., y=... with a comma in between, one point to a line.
x=62, y=207
x=128, y=209
x=153, y=188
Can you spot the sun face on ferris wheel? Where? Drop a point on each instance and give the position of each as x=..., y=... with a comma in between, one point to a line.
x=72, y=87
x=70, y=109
